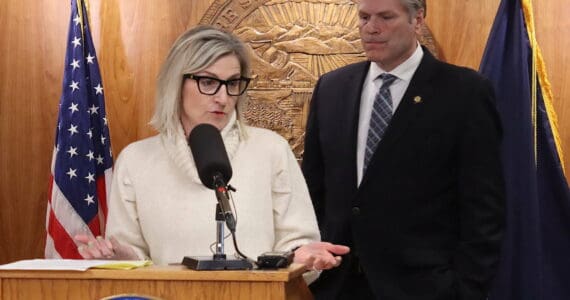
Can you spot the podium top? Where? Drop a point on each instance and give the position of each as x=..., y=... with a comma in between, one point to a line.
x=171, y=272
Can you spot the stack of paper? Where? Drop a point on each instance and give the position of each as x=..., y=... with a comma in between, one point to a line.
x=74, y=264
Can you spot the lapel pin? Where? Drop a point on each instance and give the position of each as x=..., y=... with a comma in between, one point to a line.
x=417, y=99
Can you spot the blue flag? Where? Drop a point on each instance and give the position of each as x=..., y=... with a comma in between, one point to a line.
x=82, y=160
x=535, y=259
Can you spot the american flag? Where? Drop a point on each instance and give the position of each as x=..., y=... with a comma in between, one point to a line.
x=82, y=158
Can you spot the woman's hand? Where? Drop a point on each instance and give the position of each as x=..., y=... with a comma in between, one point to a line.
x=100, y=248
x=320, y=255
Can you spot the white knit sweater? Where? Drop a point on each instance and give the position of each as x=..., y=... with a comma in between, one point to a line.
x=160, y=208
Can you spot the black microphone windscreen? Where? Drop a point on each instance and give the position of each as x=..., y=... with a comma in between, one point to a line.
x=210, y=154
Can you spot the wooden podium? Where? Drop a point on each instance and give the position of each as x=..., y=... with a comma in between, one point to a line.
x=162, y=282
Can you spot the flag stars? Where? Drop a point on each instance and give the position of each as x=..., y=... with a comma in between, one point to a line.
x=90, y=155
x=74, y=86
x=72, y=129
x=73, y=107
x=77, y=20
x=89, y=199
x=90, y=58
x=72, y=151
x=75, y=64
x=90, y=177
x=98, y=89
x=93, y=109
x=105, y=121
x=71, y=173
x=82, y=143
x=76, y=42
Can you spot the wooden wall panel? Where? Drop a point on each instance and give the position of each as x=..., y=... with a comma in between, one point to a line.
x=32, y=46
x=461, y=28
x=132, y=39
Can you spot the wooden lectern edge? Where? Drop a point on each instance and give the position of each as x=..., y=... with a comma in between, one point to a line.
x=171, y=272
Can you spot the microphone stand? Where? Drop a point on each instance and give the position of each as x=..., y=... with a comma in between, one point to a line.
x=218, y=261
x=219, y=254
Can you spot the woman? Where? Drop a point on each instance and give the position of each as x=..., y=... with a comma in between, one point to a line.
x=158, y=207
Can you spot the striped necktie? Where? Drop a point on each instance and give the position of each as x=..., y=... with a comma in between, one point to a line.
x=380, y=117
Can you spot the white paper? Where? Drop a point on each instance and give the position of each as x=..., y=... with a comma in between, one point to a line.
x=58, y=264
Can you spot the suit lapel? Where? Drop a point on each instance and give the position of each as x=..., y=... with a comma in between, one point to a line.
x=407, y=110
x=351, y=99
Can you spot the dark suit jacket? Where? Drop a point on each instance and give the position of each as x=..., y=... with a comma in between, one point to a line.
x=427, y=218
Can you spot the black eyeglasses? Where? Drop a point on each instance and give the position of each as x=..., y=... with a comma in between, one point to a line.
x=210, y=85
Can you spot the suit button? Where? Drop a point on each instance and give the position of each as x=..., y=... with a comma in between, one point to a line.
x=356, y=211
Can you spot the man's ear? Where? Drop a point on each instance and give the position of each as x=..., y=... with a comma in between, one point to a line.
x=419, y=19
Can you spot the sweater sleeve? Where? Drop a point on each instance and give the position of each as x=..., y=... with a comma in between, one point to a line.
x=122, y=220
x=293, y=214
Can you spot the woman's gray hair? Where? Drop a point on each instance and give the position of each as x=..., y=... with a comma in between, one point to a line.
x=192, y=52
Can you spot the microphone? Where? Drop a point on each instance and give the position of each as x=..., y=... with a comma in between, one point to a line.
x=213, y=165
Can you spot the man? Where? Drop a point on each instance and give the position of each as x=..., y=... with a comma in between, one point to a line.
x=405, y=168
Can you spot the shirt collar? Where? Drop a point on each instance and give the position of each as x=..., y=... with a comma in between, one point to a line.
x=404, y=71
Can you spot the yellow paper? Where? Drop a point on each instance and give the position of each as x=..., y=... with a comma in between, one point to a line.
x=124, y=264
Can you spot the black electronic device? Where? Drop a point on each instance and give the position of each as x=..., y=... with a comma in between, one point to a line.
x=210, y=263
x=275, y=259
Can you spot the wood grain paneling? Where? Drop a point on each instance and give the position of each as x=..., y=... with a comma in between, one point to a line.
x=461, y=28
x=132, y=39
x=32, y=49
